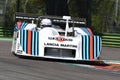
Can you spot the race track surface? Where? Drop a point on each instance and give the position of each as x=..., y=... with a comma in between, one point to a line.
x=15, y=68
x=110, y=53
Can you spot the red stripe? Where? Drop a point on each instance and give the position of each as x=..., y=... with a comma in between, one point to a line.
x=91, y=47
x=19, y=24
x=29, y=42
x=91, y=43
x=90, y=31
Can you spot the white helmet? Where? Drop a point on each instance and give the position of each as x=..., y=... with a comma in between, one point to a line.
x=46, y=23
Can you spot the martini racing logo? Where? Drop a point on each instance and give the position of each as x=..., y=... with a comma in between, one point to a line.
x=60, y=39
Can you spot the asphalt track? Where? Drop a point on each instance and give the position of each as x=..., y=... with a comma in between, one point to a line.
x=14, y=68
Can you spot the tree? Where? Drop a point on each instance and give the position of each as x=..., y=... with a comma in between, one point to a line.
x=34, y=6
x=56, y=7
x=102, y=15
x=85, y=10
x=9, y=19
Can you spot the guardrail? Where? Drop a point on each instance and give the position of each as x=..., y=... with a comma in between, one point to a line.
x=6, y=32
x=111, y=40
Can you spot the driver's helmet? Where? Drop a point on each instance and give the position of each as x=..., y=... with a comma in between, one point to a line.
x=46, y=23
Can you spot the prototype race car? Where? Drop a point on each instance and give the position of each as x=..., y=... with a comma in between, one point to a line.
x=67, y=39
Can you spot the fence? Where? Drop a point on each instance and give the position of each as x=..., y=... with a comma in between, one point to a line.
x=111, y=40
x=6, y=32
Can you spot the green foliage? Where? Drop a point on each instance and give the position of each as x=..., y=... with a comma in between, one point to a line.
x=9, y=13
x=73, y=8
x=34, y=6
x=102, y=16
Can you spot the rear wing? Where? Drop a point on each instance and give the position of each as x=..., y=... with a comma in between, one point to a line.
x=56, y=19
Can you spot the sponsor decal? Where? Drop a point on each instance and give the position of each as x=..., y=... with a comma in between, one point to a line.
x=60, y=39
x=51, y=44
x=60, y=45
x=68, y=45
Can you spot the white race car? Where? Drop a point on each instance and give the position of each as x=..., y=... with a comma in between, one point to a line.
x=71, y=40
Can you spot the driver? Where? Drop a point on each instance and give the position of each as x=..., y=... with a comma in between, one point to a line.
x=45, y=23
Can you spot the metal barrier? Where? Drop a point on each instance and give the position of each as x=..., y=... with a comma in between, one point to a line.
x=111, y=40
x=1, y=32
x=6, y=32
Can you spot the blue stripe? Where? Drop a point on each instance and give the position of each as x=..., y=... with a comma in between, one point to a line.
x=21, y=38
x=95, y=47
x=23, y=25
x=16, y=27
x=98, y=43
x=25, y=40
x=36, y=44
x=87, y=47
x=83, y=47
x=33, y=41
x=85, y=30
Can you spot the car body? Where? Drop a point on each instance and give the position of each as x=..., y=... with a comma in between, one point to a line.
x=71, y=43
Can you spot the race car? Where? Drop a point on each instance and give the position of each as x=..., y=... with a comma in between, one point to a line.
x=66, y=39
